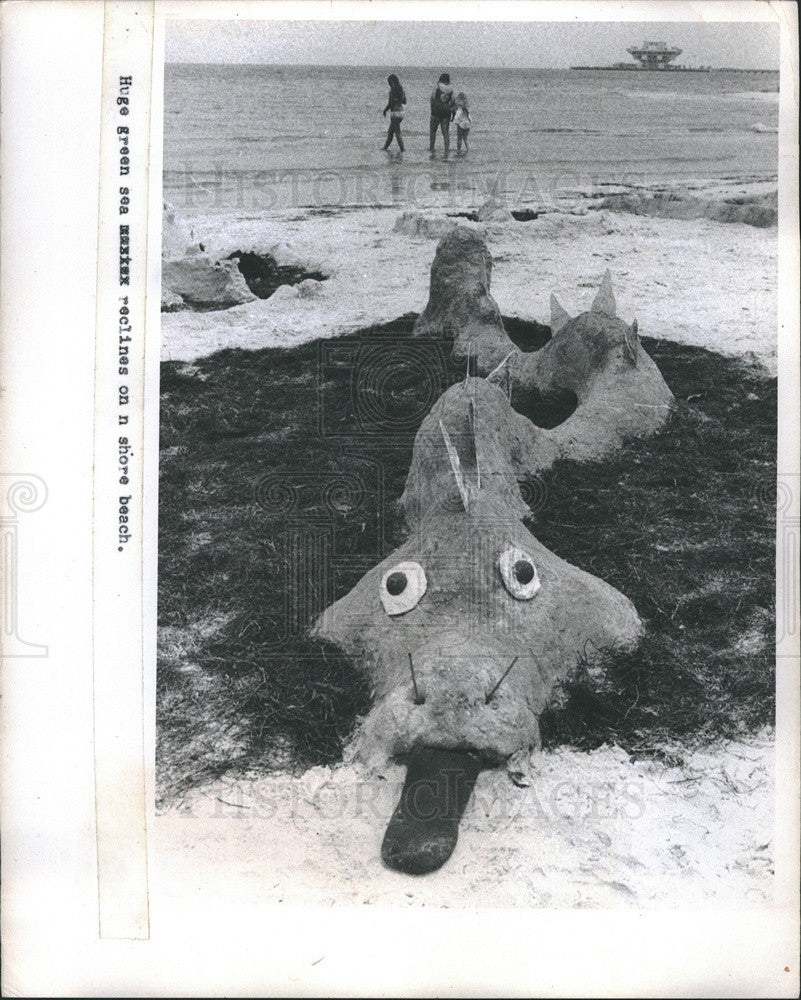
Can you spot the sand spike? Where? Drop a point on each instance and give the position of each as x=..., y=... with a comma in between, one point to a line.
x=631, y=343
x=496, y=370
x=417, y=699
x=604, y=301
x=503, y=678
x=472, y=417
x=456, y=467
x=559, y=316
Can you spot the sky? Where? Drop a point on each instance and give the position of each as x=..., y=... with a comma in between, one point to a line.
x=465, y=43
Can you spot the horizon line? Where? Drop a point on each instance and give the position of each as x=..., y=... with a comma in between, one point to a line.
x=383, y=66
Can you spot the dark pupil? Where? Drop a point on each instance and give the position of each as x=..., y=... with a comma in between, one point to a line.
x=524, y=572
x=396, y=583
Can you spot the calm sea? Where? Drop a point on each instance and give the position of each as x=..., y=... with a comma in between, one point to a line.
x=249, y=139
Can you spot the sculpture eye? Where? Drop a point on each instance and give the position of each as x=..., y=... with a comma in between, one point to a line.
x=519, y=574
x=402, y=587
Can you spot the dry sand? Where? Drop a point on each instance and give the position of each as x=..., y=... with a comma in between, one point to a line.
x=593, y=829
x=698, y=282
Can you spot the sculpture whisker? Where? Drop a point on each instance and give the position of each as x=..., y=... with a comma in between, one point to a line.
x=417, y=699
x=503, y=678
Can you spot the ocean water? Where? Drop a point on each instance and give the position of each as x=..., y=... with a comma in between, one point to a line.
x=253, y=139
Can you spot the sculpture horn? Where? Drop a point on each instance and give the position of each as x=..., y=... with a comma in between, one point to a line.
x=472, y=418
x=558, y=315
x=495, y=371
x=605, y=299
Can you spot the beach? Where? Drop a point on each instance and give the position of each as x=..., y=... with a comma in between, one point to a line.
x=253, y=139
x=591, y=830
x=693, y=257
x=667, y=179
x=695, y=281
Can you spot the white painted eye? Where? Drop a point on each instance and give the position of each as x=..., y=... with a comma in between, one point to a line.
x=519, y=574
x=402, y=587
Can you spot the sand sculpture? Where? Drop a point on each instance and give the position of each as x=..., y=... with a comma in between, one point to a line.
x=190, y=278
x=469, y=629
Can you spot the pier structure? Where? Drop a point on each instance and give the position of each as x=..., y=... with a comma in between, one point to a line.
x=654, y=55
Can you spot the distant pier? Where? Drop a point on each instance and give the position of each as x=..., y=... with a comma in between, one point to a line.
x=633, y=67
x=652, y=57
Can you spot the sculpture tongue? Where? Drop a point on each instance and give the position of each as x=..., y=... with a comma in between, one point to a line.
x=424, y=828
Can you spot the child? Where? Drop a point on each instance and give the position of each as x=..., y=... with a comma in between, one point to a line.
x=462, y=122
x=396, y=105
x=442, y=108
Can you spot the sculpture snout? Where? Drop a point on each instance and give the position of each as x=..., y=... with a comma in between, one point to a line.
x=450, y=682
x=471, y=703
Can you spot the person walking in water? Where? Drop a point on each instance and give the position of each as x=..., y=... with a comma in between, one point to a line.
x=396, y=106
x=442, y=109
x=462, y=122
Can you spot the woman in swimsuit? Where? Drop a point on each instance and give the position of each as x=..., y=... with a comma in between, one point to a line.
x=396, y=106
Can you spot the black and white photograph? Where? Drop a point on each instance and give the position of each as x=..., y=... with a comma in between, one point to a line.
x=468, y=460
x=400, y=498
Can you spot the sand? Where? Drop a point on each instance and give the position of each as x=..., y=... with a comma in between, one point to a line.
x=592, y=829
x=697, y=282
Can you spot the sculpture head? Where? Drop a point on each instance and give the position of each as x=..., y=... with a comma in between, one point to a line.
x=619, y=391
x=582, y=346
x=440, y=620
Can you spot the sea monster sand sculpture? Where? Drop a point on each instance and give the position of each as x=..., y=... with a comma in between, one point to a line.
x=470, y=628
